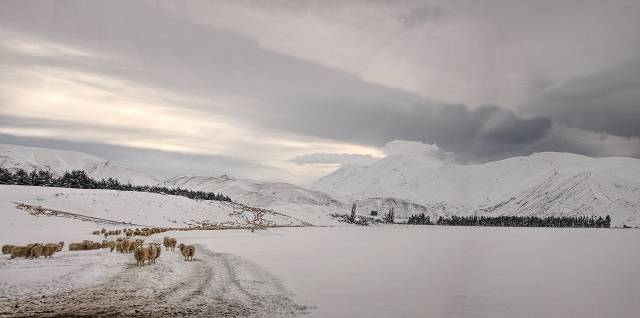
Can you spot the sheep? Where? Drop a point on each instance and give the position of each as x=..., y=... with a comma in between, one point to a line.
x=188, y=251
x=6, y=249
x=111, y=245
x=125, y=246
x=85, y=245
x=49, y=249
x=21, y=251
x=36, y=251
x=77, y=246
x=132, y=247
x=141, y=254
x=152, y=254
x=57, y=246
x=60, y=246
x=159, y=249
x=169, y=242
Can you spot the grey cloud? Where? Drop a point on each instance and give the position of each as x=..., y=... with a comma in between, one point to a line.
x=294, y=95
x=608, y=101
x=589, y=143
x=165, y=50
x=421, y=15
x=486, y=133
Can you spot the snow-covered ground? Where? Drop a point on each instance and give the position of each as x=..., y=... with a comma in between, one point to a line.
x=100, y=284
x=384, y=271
x=431, y=271
x=137, y=208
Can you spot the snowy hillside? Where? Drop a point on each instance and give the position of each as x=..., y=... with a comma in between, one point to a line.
x=250, y=192
x=137, y=208
x=314, y=207
x=15, y=157
x=540, y=184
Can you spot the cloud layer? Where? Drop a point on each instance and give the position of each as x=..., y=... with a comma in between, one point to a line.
x=321, y=82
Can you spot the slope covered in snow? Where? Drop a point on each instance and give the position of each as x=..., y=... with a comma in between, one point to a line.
x=314, y=207
x=15, y=157
x=251, y=192
x=138, y=208
x=540, y=184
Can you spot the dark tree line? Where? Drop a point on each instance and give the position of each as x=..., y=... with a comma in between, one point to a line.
x=527, y=221
x=78, y=179
x=419, y=219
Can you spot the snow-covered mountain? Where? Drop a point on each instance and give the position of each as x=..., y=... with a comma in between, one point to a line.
x=251, y=192
x=540, y=184
x=15, y=157
x=301, y=204
x=423, y=181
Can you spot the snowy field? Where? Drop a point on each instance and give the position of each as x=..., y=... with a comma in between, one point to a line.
x=430, y=271
x=383, y=271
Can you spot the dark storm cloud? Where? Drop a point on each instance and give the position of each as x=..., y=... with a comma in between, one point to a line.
x=608, y=101
x=484, y=133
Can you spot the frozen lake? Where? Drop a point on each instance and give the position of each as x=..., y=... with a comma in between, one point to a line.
x=410, y=271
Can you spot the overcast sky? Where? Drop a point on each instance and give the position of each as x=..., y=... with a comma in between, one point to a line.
x=288, y=90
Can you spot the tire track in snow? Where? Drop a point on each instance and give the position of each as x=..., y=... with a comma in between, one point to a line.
x=213, y=285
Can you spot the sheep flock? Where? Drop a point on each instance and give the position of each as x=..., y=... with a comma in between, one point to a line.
x=126, y=242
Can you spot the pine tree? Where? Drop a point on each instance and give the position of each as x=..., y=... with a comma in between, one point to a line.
x=352, y=216
x=390, y=216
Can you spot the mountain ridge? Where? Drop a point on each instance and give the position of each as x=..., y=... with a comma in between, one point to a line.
x=541, y=184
